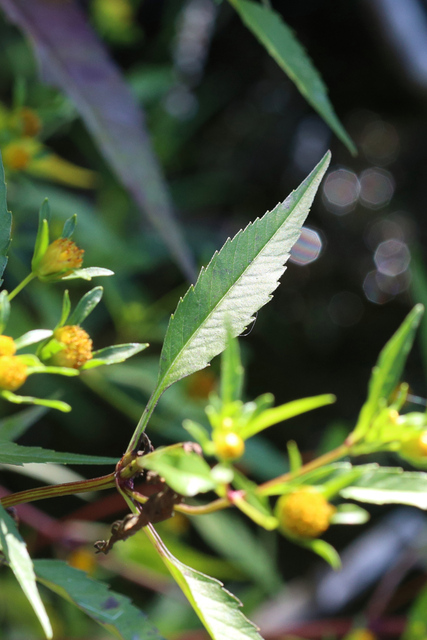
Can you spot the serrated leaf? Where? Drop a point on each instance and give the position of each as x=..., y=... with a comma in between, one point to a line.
x=32, y=337
x=12, y=453
x=216, y=607
x=285, y=412
x=388, y=370
x=5, y=224
x=16, y=554
x=281, y=43
x=389, y=485
x=113, y=355
x=108, y=608
x=86, y=305
x=184, y=471
x=4, y=305
x=88, y=273
x=238, y=281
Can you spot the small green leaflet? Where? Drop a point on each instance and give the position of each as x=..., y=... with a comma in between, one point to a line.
x=389, y=485
x=216, y=607
x=12, y=453
x=111, y=610
x=238, y=281
x=16, y=554
x=283, y=46
x=5, y=223
x=388, y=370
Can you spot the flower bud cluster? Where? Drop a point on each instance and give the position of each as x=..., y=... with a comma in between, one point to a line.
x=305, y=513
x=13, y=372
x=77, y=347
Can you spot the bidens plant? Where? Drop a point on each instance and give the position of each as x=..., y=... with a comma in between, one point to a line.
x=156, y=483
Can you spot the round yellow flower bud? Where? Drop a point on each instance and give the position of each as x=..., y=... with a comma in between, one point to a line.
x=61, y=258
x=7, y=346
x=13, y=373
x=77, y=347
x=16, y=156
x=304, y=513
x=228, y=445
x=415, y=447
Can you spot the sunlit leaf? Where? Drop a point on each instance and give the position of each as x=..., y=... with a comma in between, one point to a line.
x=17, y=557
x=32, y=337
x=114, y=354
x=88, y=273
x=390, y=485
x=283, y=46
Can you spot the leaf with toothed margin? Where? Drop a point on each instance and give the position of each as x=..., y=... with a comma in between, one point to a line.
x=238, y=281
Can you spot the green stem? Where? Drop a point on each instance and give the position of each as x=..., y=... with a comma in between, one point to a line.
x=56, y=490
x=143, y=421
x=21, y=285
x=340, y=452
x=203, y=509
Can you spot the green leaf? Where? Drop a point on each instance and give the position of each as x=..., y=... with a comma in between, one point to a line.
x=5, y=223
x=389, y=485
x=281, y=43
x=285, y=412
x=16, y=554
x=387, y=371
x=238, y=281
x=66, y=308
x=184, y=471
x=231, y=538
x=231, y=372
x=254, y=506
x=350, y=514
x=43, y=402
x=114, y=612
x=324, y=550
x=12, y=453
x=416, y=626
x=42, y=238
x=115, y=354
x=14, y=426
x=295, y=459
x=88, y=273
x=217, y=608
x=32, y=337
x=69, y=227
x=4, y=305
x=200, y=435
x=86, y=305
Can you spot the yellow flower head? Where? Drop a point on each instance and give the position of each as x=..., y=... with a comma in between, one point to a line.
x=304, y=513
x=61, y=258
x=16, y=156
x=77, y=347
x=228, y=445
x=7, y=346
x=13, y=373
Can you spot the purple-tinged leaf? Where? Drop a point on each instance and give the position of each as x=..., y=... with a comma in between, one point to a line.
x=72, y=58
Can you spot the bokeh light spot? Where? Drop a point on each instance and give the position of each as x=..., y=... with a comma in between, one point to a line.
x=392, y=257
x=307, y=248
x=376, y=187
x=341, y=191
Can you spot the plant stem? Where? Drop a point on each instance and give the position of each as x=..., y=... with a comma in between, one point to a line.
x=151, y=405
x=21, y=285
x=56, y=490
x=340, y=452
x=203, y=509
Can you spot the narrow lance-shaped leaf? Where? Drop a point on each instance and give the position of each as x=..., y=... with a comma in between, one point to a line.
x=389, y=485
x=238, y=281
x=12, y=453
x=216, y=607
x=283, y=46
x=388, y=370
x=231, y=372
x=17, y=557
x=86, y=305
x=5, y=224
x=111, y=610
